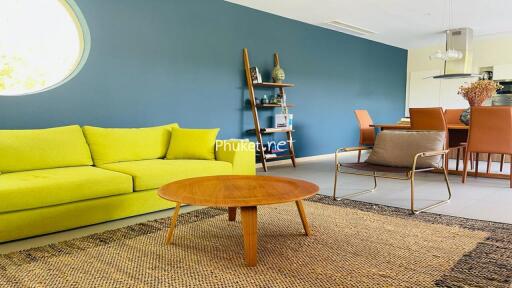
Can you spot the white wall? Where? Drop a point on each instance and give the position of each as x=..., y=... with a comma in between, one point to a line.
x=487, y=51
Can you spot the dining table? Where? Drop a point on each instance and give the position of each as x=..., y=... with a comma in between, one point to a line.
x=405, y=126
x=457, y=134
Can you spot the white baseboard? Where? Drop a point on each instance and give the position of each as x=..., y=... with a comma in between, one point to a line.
x=305, y=159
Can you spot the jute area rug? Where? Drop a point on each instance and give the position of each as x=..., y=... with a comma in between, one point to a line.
x=354, y=244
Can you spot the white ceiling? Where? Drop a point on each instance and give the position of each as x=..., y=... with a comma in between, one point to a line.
x=401, y=23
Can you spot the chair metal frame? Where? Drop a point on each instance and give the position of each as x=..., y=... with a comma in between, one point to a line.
x=410, y=175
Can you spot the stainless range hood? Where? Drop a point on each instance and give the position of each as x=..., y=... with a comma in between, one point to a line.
x=459, y=41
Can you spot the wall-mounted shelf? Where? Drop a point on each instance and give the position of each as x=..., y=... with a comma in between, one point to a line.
x=274, y=105
x=271, y=157
x=271, y=130
x=254, y=107
x=272, y=85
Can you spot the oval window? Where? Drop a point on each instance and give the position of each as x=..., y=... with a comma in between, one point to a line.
x=43, y=44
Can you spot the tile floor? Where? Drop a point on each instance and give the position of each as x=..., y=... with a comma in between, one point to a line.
x=480, y=198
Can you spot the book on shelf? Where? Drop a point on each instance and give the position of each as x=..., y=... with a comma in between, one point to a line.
x=270, y=130
x=278, y=151
x=270, y=156
x=273, y=149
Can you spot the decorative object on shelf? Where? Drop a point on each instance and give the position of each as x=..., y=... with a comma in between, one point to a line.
x=276, y=99
x=278, y=74
x=264, y=100
x=487, y=75
x=255, y=75
x=284, y=119
x=280, y=121
x=476, y=93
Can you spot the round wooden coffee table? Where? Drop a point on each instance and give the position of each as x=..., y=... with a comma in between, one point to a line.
x=246, y=192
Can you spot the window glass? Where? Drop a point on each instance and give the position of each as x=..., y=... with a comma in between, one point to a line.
x=43, y=43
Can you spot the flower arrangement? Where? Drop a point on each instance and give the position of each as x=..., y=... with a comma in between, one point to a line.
x=477, y=92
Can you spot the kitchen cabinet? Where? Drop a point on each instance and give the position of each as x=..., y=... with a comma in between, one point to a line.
x=502, y=72
x=448, y=97
x=423, y=91
x=428, y=92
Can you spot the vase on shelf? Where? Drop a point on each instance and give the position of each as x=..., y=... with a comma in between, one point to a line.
x=278, y=74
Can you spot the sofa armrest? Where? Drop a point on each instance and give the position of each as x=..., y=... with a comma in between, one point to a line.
x=240, y=153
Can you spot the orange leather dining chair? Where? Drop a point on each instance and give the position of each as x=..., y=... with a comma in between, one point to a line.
x=366, y=132
x=428, y=119
x=431, y=118
x=452, y=117
x=490, y=131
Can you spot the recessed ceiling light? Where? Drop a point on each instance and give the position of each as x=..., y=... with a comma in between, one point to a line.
x=350, y=28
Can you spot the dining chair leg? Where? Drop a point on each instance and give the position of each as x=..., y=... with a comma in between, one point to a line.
x=465, y=165
x=359, y=156
x=510, y=172
x=477, y=159
x=489, y=163
x=471, y=159
x=458, y=160
x=502, y=162
x=464, y=151
x=335, y=178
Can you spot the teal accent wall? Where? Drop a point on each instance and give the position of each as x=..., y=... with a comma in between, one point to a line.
x=162, y=61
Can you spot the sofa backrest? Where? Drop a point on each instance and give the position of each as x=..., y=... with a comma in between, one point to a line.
x=22, y=150
x=111, y=145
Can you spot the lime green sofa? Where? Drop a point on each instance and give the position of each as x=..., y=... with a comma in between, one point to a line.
x=66, y=177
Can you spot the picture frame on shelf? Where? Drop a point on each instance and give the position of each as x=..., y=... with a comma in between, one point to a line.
x=255, y=75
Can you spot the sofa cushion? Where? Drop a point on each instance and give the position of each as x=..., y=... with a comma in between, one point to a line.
x=22, y=150
x=398, y=148
x=151, y=174
x=41, y=188
x=196, y=144
x=111, y=145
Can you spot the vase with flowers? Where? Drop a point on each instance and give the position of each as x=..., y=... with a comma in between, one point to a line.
x=476, y=93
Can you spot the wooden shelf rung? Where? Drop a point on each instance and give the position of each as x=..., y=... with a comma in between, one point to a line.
x=278, y=157
x=273, y=130
x=274, y=105
x=272, y=85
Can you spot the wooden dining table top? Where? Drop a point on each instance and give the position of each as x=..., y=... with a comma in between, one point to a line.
x=408, y=126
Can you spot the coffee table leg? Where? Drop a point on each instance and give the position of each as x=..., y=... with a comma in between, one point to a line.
x=172, y=226
x=302, y=212
x=250, y=231
x=232, y=213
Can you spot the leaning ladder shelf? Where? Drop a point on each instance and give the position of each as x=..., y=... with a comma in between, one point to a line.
x=254, y=107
